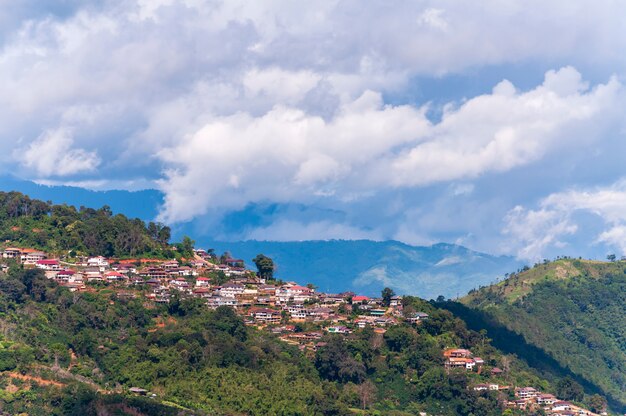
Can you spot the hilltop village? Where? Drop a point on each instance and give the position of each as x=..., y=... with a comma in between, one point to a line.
x=298, y=315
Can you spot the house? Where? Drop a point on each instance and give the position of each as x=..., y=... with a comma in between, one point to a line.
x=30, y=256
x=202, y=292
x=457, y=353
x=377, y=312
x=48, y=265
x=360, y=299
x=481, y=387
x=216, y=301
x=99, y=262
x=113, y=276
x=466, y=363
x=496, y=371
x=395, y=301
x=561, y=406
x=338, y=330
x=154, y=273
x=526, y=393
x=172, y=264
x=416, y=317
x=546, y=399
x=65, y=275
x=265, y=315
x=203, y=282
x=230, y=290
x=11, y=253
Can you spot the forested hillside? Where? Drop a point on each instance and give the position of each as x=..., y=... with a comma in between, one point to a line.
x=62, y=229
x=574, y=310
x=74, y=353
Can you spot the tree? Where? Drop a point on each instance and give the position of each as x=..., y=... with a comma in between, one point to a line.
x=611, y=257
x=399, y=338
x=186, y=247
x=597, y=403
x=367, y=391
x=265, y=266
x=387, y=294
x=568, y=389
x=335, y=363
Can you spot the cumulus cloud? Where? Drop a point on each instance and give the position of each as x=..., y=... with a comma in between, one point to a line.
x=236, y=102
x=289, y=155
x=536, y=230
x=52, y=154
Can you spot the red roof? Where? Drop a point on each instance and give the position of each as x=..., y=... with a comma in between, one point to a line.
x=67, y=272
x=359, y=298
x=48, y=262
x=203, y=279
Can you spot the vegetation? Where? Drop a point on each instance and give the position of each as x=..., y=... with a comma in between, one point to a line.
x=574, y=311
x=209, y=362
x=265, y=266
x=62, y=228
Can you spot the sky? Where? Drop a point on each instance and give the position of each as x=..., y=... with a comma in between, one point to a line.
x=498, y=125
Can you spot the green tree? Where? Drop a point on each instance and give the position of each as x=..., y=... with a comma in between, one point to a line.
x=265, y=266
x=387, y=293
x=597, y=403
x=568, y=389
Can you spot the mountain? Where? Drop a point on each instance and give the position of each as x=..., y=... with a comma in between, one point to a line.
x=573, y=311
x=366, y=266
x=138, y=204
x=81, y=353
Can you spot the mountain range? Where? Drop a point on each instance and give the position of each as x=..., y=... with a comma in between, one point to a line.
x=366, y=266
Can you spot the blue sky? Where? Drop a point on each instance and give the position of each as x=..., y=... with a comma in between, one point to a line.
x=496, y=125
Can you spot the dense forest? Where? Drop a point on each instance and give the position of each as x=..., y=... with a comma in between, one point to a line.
x=62, y=229
x=573, y=310
x=97, y=345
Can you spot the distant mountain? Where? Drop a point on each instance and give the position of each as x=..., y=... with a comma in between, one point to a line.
x=139, y=204
x=366, y=267
x=572, y=310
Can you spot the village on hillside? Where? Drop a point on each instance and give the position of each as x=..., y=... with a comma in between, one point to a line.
x=298, y=315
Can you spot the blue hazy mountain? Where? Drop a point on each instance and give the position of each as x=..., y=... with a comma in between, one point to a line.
x=140, y=204
x=366, y=267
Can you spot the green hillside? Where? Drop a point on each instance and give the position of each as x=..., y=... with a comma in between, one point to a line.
x=62, y=228
x=574, y=311
x=90, y=348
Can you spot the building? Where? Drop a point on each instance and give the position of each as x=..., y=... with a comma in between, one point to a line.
x=48, y=265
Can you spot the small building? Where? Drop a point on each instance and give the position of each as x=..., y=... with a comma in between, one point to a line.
x=48, y=264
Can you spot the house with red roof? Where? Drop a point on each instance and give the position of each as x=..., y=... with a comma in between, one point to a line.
x=48, y=264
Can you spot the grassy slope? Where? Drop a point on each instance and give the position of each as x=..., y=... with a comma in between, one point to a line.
x=574, y=311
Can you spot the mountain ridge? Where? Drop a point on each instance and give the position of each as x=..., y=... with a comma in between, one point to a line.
x=443, y=269
x=571, y=309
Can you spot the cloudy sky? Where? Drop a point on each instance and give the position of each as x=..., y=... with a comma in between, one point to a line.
x=499, y=125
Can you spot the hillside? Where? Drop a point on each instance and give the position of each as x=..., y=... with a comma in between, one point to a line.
x=81, y=353
x=142, y=204
x=366, y=267
x=64, y=228
x=571, y=309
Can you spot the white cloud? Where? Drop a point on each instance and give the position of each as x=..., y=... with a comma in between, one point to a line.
x=231, y=102
x=52, y=154
x=535, y=231
x=289, y=155
x=285, y=230
x=532, y=231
